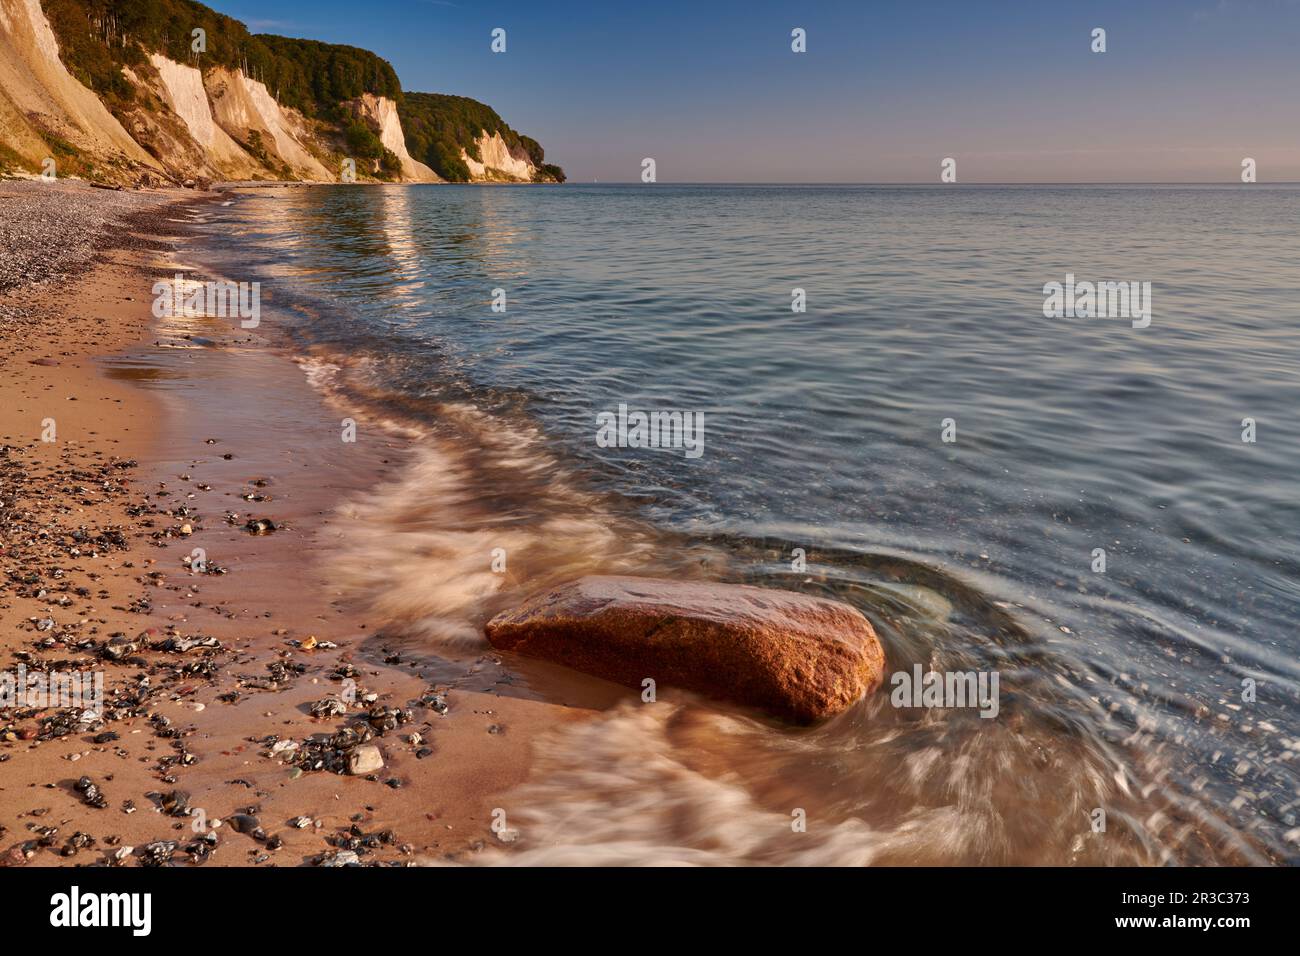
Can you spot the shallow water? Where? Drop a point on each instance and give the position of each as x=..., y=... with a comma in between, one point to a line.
x=1120, y=690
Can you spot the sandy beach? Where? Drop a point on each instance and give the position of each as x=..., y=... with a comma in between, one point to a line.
x=169, y=436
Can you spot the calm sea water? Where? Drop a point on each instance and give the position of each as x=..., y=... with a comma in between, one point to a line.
x=1162, y=690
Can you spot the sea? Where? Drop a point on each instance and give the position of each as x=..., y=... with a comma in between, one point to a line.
x=1100, y=505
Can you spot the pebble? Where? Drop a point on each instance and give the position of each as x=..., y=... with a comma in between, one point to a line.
x=53, y=228
x=365, y=759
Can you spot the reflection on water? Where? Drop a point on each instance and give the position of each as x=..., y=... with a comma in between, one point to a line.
x=141, y=371
x=1122, y=691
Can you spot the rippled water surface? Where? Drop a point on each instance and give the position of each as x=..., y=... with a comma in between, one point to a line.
x=1128, y=690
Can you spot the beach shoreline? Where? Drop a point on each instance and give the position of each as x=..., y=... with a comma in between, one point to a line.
x=174, y=432
x=163, y=432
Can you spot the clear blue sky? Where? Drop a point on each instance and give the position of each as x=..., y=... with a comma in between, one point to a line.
x=713, y=92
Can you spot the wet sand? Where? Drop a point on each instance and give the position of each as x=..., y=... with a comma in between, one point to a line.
x=162, y=430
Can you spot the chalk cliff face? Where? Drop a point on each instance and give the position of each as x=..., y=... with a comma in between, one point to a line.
x=280, y=137
x=498, y=162
x=183, y=89
x=180, y=125
x=151, y=120
x=464, y=140
x=381, y=113
x=43, y=107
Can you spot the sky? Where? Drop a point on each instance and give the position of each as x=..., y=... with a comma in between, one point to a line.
x=886, y=91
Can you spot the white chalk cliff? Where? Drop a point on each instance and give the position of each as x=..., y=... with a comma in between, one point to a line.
x=381, y=112
x=42, y=103
x=186, y=124
x=497, y=162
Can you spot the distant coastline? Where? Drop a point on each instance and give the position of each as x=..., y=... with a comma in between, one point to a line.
x=193, y=98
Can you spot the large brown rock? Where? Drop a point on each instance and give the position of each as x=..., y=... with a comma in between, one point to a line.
x=799, y=657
